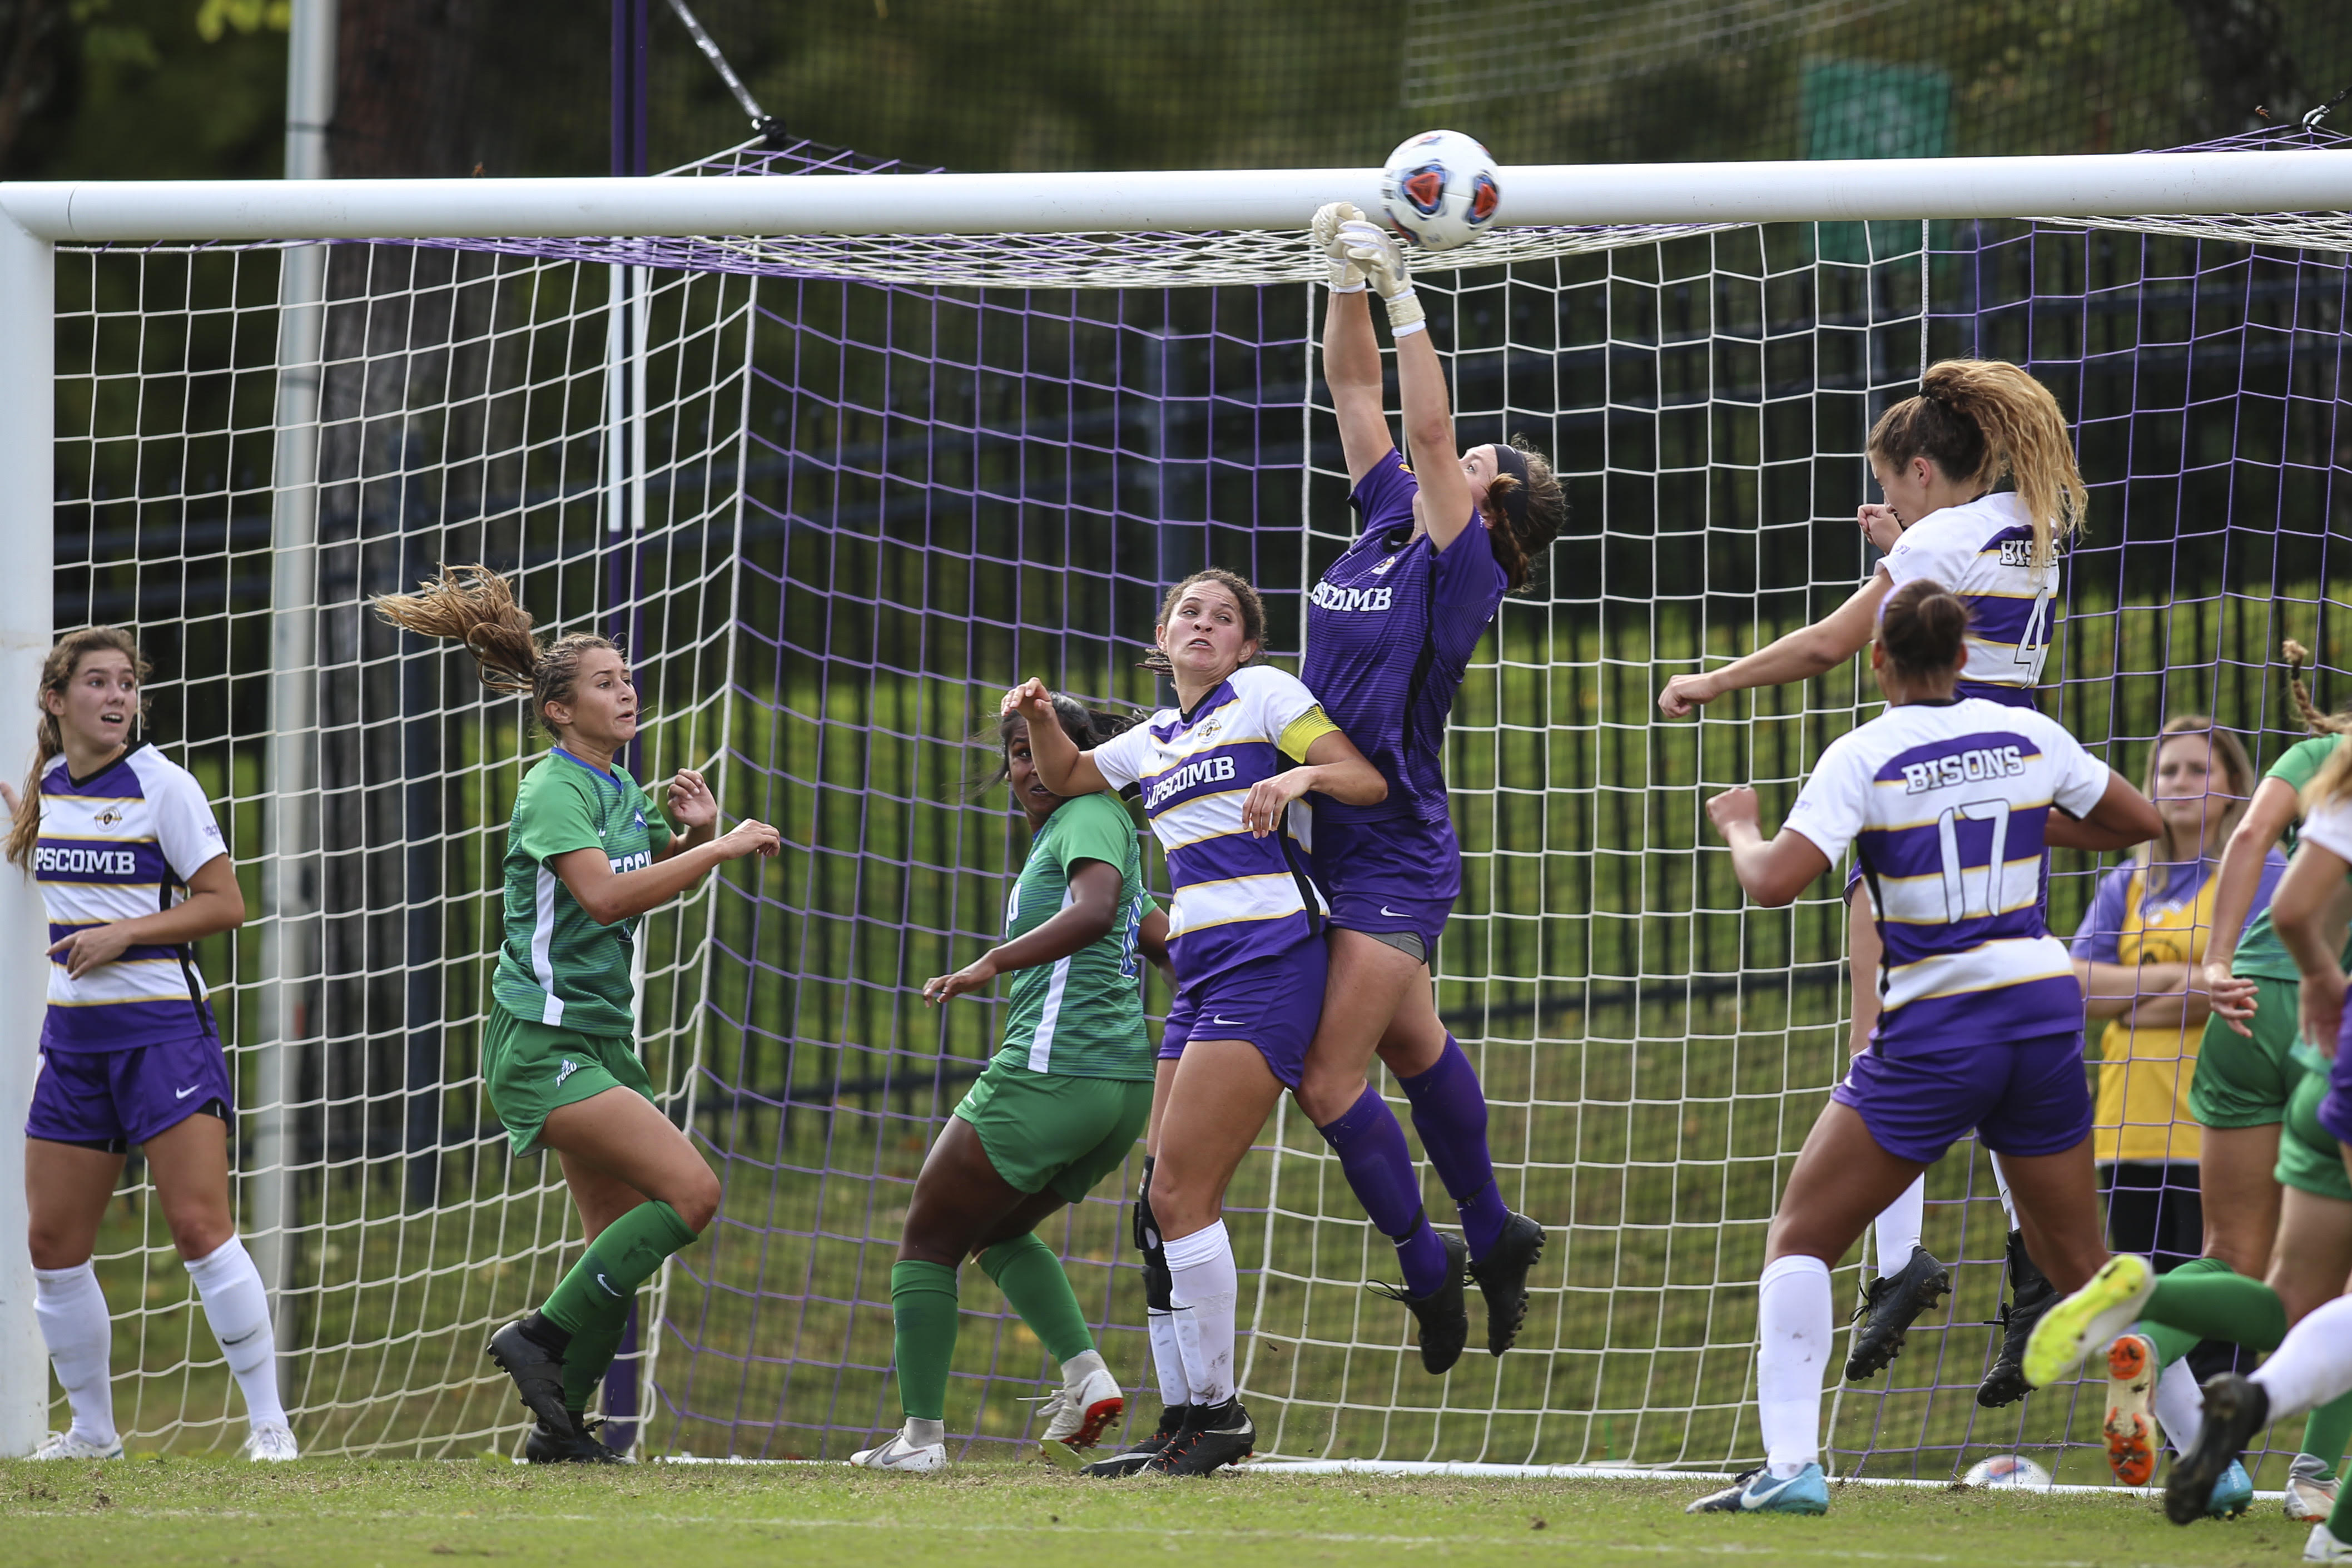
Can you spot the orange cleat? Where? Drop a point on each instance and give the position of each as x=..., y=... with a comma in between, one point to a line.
x=2132, y=1435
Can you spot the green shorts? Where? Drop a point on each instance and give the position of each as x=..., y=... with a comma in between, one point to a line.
x=2309, y=1159
x=531, y=1068
x=2240, y=1082
x=1043, y=1129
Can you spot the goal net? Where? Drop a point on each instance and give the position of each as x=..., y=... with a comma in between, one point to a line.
x=836, y=494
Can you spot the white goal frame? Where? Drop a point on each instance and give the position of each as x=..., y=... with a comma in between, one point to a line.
x=35, y=218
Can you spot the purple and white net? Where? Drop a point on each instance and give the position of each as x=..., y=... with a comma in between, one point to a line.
x=836, y=494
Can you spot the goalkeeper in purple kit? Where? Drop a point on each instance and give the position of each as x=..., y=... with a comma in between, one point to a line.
x=1390, y=627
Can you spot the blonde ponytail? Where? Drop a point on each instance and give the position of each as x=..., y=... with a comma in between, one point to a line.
x=1978, y=420
x=476, y=607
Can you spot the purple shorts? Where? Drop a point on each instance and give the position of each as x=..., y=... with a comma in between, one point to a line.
x=2335, y=1113
x=1424, y=918
x=1273, y=1002
x=2024, y=1098
x=113, y=1099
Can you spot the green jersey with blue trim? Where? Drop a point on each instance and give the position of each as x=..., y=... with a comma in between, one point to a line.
x=1081, y=1016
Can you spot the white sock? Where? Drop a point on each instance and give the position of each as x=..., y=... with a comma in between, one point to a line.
x=2312, y=1364
x=1793, y=1331
x=1204, y=1288
x=1166, y=1359
x=2179, y=1406
x=1080, y=1367
x=239, y=1310
x=918, y=1433
x=1897, y=1234
x=2001, y=1186
x=81, y=1336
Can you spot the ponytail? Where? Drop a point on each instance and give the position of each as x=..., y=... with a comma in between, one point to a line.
x=1978, y=420
x=58, y=671
x=1523, y=515
x=475, y=605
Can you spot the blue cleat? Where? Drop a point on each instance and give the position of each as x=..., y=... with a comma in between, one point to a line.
x=2232, y=1494
x=1757, y=1491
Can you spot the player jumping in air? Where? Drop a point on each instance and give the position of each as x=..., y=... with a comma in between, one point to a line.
x=1389, y=630
x=1936, y=456
x=1057, y=1110
x=1946, y=801
x=132, y=871
x=588, y=853
x=1246, y=938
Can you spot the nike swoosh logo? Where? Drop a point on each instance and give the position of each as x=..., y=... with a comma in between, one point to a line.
x=1226, y=1023
x=1753, y=1498
x=184, y=1093
x=608, y=1286
x=1392, y=914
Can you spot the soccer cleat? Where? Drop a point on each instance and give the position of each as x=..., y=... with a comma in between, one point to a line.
x=1221, y=1435
x=2235, y=1409
x=1889, y=1306
x=65, y=1445
x=1175, y=1420
x=2323, y=1547
x=2031, y=1295
x=2131, y=1432
x=270, y=1443
x=1502, y=1278
x=538, y=1373
x=897, y=1454
x=1443, y=1315
x=2310, y=1489
x=1757, y=1491
x=1076, y=1418
x=2231, y=1495
x=2091, y=1317
x=572, y=1443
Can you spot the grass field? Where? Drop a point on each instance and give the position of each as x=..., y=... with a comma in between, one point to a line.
x=382, y=1513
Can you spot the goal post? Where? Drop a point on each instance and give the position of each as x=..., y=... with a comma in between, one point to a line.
x=833, y=452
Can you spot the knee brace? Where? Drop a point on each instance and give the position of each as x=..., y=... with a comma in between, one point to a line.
x=1156, y=1283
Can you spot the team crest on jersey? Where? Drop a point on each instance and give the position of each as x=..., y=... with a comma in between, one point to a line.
x=109, y=816
x=1210, y=730
x=1382, y=569
x=566, y=1070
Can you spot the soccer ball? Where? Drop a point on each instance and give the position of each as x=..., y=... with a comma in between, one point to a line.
x=1440, y=189
x=2013, y=1471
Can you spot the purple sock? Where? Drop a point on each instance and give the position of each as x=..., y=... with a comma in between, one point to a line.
x=1449, y=1111
x=1372, y=1150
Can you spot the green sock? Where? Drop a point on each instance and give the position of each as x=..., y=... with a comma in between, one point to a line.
x=624, y=1258
x=2171, y=1343
x=1032, y=1278
x=923, y=1318
x=2215, y=1304
x=590, y=1353
x=2327, y=1431
x=2339, y=1519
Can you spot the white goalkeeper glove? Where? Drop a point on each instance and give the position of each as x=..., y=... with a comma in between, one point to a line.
x=1345, y=277
x=1381, y=258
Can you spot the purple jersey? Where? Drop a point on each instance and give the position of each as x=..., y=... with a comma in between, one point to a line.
x=1390, y=631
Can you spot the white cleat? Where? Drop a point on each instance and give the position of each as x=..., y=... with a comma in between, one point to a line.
x=1076, y=1418
x=2323, y=1547
x=65, y=1445
x=897, y=1454
x=2310, y=1491
x=271, y=1443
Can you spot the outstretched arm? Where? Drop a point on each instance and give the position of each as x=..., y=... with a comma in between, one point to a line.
x=606, y=895
x=1445, y=501
x=2124, y=819
x=1088, y=918
x=1800, y=655
x=2275, y=805
x=1772, y=873
x=1333, y=767
x=1067, y=770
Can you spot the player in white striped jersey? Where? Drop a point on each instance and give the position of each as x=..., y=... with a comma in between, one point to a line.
x=1937, y=457
x=133, y=871
x=1947, y=801
x=1245, y=937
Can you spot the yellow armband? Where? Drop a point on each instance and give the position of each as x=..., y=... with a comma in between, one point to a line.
x=1303, y=732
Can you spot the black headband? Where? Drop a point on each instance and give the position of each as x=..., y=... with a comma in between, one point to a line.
x=1510, y=460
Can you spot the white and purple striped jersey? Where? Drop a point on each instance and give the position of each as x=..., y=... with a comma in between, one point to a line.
x=1238, y=898
x=1946, y=804
x=115, y=846
x=1983, y=552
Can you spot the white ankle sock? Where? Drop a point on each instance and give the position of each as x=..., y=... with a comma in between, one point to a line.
x=1204, y=1288
x=1897, y=1234
x=239, y=1310
x=1080, y=1367
x=81, y=1336
x=918, y=1433
x=2001, y=1186
x=1167, y=1358
x=2312, y=1364
x=2179, y=1406
x=1793, y=1331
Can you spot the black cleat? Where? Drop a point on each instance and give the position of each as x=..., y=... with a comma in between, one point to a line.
x=2235, y=1409
x=570, y=1443
x=2030, y=1294
x=538, y=1373
x=1175, y=1420
x=1443, y=1315
x=1219, y=1434
x=1889, y=1306
x=1502, y=1278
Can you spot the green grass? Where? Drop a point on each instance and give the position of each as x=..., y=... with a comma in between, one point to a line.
x=380, y=1514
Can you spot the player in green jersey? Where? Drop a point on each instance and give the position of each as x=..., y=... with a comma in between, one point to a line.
x=588, y=853
x=1058, y=1109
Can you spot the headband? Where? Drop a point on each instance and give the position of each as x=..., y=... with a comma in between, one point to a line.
x=1509, y=459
